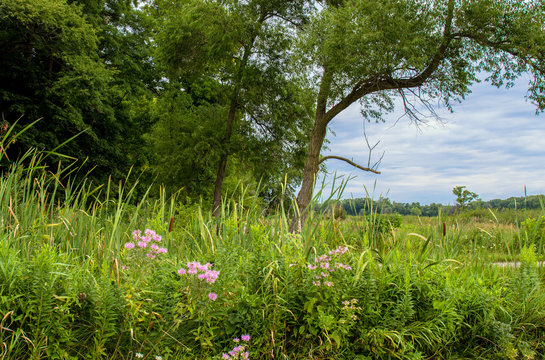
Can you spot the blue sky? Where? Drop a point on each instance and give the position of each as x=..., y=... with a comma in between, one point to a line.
x=493, y=143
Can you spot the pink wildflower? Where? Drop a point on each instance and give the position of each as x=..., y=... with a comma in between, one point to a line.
x=225, y=356
x=129, y=245
x=142, y=244
x=146, y=239
x=202, y=267
x=236, y=340
x=212, y=296
x=311, y=267
x=211, y=276
x=182, y=271
x=154, y=246
x=162, y=250
x=245, y=337
x=157, y=238
x=149, y=232
x=151, y=256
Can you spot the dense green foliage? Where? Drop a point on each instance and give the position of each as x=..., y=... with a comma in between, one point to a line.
x=81, y=67
x=235, y=56
x=113, y=74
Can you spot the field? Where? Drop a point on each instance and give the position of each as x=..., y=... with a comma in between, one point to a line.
x=113, y=272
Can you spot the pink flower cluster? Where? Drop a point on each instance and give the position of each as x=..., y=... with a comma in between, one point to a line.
x=150, y=238
x=323, y=266
x=203, y=272
x=239, y=351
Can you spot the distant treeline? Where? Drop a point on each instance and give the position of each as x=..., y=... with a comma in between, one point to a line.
x=361, y=206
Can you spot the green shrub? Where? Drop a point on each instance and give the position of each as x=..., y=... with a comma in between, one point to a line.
x=535, y=230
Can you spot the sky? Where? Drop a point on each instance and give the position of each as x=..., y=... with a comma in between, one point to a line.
x=493, y=143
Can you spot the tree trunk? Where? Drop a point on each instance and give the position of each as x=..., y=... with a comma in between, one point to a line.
x=312, y=162
x=216, y=207
x=223, y=159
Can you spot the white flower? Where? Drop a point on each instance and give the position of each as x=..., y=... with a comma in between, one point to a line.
x=157, y=357
x=138, y=355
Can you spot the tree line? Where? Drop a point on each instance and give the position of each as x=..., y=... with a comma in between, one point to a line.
x=365, y=206
x=204, y=96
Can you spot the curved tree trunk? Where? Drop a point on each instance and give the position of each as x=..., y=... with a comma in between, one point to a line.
x=312, y=162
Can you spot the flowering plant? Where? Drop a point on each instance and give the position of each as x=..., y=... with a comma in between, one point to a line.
x=325, y=265
x=202, y=272
x=143, y=249
x=141, y=242
x=239, y=351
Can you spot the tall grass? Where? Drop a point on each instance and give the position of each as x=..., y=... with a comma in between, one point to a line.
x=70, y=289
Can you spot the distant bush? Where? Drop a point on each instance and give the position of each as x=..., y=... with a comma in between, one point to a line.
x=535, y=229
x=384, y=224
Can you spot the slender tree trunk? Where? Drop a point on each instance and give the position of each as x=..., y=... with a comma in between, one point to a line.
x=228, y=131
x=216, y=207
x=223, y=159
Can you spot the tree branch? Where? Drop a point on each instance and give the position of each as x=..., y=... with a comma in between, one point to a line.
x=349, y=162
x=503, y=46
x=325, y=86
x=381, y=83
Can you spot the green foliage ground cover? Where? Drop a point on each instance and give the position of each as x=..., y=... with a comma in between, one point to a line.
x=71, y=287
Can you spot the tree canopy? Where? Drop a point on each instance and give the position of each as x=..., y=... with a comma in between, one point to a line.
x=197, y=93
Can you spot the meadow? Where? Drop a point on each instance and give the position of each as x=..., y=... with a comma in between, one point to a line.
x=112, y=272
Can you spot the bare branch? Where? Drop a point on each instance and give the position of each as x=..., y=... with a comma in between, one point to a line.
x=349, y=162
x=371, y=148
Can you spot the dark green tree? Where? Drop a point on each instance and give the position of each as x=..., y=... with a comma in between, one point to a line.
x=81, y=66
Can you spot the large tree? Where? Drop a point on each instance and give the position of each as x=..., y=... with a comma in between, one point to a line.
x=416, y=50
x=244, y=46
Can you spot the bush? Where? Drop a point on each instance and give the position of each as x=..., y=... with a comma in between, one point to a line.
x=535, y=230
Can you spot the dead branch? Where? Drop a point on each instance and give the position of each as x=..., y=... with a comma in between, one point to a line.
x=349, y=162
x=371, y=148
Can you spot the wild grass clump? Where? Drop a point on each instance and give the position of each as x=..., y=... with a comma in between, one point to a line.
x=94, y=272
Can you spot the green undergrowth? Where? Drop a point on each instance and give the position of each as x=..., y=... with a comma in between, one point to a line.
x=373, y=287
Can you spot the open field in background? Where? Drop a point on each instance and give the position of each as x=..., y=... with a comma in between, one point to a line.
x=369, y=287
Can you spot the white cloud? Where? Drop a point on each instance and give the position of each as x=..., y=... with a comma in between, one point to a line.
x=493, y=143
